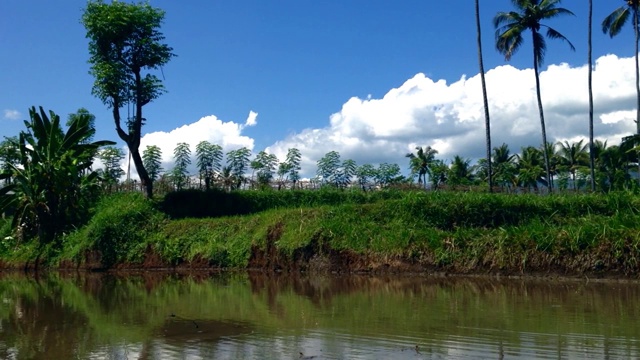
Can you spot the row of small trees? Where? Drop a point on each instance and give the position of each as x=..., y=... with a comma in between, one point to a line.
x=569, y=168
x=266, y=170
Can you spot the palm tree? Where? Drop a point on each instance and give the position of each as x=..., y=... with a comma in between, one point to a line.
x=614, y=162
x=487, y=122
x=592, y=159
x=420, y=162
x=460, y=172
x=509, y=29
x=530, y=170
x=572, y=157
x=612, y=24
x=503, y=162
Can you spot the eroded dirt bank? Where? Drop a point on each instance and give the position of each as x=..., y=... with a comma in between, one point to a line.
x=319, y=258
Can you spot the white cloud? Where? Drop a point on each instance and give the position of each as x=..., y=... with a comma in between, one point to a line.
x=209, y=128
x=448, y=117
x=618, y=116
x=11, y=114
x=251, y=119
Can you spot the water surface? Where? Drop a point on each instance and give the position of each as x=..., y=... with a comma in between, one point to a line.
x=248, y=316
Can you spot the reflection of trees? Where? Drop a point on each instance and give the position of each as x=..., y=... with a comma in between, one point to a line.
x=38, y=324
x=146, y=315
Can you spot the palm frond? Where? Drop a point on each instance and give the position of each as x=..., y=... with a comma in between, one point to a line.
x=555, y=12
x=554, y=34
x=507, y=19
x=614, y=22
x=509, y=41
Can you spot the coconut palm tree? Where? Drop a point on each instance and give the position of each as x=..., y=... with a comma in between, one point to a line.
x=420, y=162
x=487, y=121
x=613, y=162
x=530, y=171
x=612, y=25
x=460, y=172
x=573, y=157
x=592, y=159
x=510, y=27
x=504, y=165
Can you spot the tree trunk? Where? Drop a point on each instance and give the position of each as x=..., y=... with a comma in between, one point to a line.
x=142, y=172
x=637, y=37
x=132, y=139
x=545, y=151
x=592, y=161
x=487, y=121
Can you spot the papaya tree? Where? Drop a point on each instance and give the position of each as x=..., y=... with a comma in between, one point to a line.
x=152, y=160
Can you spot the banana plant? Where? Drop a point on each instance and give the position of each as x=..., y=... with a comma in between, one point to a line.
x=52, y=177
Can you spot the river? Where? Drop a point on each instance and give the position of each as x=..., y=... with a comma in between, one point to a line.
x=253, y=316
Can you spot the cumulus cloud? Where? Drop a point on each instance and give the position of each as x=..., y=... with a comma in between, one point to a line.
x=251, y=119
x=11, y=114
x=227, y=134
x=450, y=117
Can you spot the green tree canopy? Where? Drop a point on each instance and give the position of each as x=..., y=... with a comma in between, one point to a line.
x=125, y=43
x=152, y=159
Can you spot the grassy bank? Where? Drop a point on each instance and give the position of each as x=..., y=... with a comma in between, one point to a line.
x=384, y=231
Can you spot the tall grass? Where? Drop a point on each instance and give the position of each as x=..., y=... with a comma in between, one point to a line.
x=119, y=230
x=463, y=232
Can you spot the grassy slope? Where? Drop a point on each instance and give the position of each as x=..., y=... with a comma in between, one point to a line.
x=410, y=231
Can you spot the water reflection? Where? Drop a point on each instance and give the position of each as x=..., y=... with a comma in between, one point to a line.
x=252, y=316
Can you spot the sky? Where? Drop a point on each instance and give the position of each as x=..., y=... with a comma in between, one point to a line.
x=370, y=79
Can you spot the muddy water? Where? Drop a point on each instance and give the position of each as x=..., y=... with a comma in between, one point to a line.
x=244, y=316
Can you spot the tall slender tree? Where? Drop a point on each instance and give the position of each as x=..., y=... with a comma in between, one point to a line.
x=592, y=157
x=152, y=159
x=182, y=159
x=487, y=119
x=208, y=161
x=293, y=165
x=510, y=27
x=237, y=162
x=612, y=25
x=125, y=41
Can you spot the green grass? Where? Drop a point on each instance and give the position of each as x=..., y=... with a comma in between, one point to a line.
x=453, y=231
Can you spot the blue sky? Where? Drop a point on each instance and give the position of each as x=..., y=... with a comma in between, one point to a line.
x=360, y=77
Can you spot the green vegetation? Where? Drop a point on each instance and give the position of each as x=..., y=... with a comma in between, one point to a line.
x=51, y=179
x=50, y=190
x=125, y=41
x=382, y=231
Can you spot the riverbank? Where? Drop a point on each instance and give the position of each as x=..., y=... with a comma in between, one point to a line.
x=394, y=232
